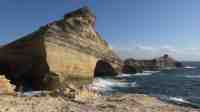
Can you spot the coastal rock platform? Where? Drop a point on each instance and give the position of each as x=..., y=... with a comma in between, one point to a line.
x=119, y=103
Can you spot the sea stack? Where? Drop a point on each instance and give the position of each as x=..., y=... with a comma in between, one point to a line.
x=66, y=49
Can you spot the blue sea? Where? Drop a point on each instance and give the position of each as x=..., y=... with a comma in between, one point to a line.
x=178, y=86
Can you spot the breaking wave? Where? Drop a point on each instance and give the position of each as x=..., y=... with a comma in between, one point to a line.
x=124, y=75
x=178, y=100
x=107, y=85
x=145, y=73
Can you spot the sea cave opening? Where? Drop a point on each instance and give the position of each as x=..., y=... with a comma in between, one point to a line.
x=104, y=69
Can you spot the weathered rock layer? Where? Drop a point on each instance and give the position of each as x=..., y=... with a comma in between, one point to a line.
x=68, y=48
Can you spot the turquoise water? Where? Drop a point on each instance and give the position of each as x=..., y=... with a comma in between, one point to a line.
x=180, y=86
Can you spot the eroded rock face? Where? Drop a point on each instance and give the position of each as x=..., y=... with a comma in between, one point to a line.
x=67, y=48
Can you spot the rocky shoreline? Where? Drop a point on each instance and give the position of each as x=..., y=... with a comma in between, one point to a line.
x=72, y=99
x=67, y=49
x=116, y=103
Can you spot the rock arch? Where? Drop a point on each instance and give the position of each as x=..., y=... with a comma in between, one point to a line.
x=63, y=50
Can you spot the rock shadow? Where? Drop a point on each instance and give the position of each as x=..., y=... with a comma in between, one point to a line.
x=104, y=69
x=24, y=63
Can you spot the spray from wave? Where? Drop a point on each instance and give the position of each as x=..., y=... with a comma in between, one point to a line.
x=145, y=73
x=106, y=85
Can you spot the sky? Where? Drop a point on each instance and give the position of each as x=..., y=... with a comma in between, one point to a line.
x=142, y=29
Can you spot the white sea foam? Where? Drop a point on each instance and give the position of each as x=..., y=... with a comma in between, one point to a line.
x=145, y=73
x=100, y=84
x=148, y=71
x=190, y=67
x=142, y=74
x=103, y=85
x=133, y=84
x=124, y=75
x=178, y=100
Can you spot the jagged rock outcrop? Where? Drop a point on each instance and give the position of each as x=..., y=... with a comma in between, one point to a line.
x=6, y=87
x=167, y=62
x=65, y=49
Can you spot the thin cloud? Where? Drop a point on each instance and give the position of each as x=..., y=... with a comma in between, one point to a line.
x=139, y=51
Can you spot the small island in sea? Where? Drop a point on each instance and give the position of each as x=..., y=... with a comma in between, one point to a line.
x=66, y=66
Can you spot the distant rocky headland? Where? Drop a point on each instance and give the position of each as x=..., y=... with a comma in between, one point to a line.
x=165, y=62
